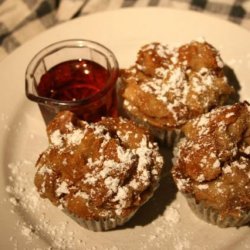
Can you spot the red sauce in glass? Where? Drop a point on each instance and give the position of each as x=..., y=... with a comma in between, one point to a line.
x=77, y=80
x=73, y=80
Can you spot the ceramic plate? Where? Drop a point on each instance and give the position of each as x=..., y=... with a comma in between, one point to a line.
x=165, y=222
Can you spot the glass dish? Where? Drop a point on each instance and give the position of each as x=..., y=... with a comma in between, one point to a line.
x=91, y=108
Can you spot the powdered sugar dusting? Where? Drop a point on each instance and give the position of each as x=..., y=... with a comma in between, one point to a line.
x=65, y=234
x=72, y=138
x=56, y=138
x=115, y=170
x=220, y=164
x=22, y=191
x=62, y=189
x=75, y=137
x=175, y=81
x=168, y=230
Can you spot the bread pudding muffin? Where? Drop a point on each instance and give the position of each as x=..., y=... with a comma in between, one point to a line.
x=211, y=165
x=99, y=173
x=167, y=87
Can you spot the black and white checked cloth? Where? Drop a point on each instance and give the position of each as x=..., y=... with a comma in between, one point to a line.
x=21, y=20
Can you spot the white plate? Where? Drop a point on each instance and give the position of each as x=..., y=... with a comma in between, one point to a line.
x=166, y=222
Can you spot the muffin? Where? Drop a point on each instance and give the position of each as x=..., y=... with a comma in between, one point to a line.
x=211, y=165
x=99, y=173
x=167, y=87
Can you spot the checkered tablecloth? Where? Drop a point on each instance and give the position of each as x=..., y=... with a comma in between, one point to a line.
x=20, y=20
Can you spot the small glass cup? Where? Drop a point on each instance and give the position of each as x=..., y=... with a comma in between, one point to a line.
x=92, y=108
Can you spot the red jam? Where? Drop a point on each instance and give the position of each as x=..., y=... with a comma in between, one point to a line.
x=78, y=80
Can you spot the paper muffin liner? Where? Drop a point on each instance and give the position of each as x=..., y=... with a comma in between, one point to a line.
x=211, y=215
x=105, y=224
x=166, y=137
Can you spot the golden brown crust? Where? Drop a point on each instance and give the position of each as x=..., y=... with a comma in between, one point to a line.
x=152, y=57
x=98, y=170
x=213, y=161
x=168, y=87
x=195, y=52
